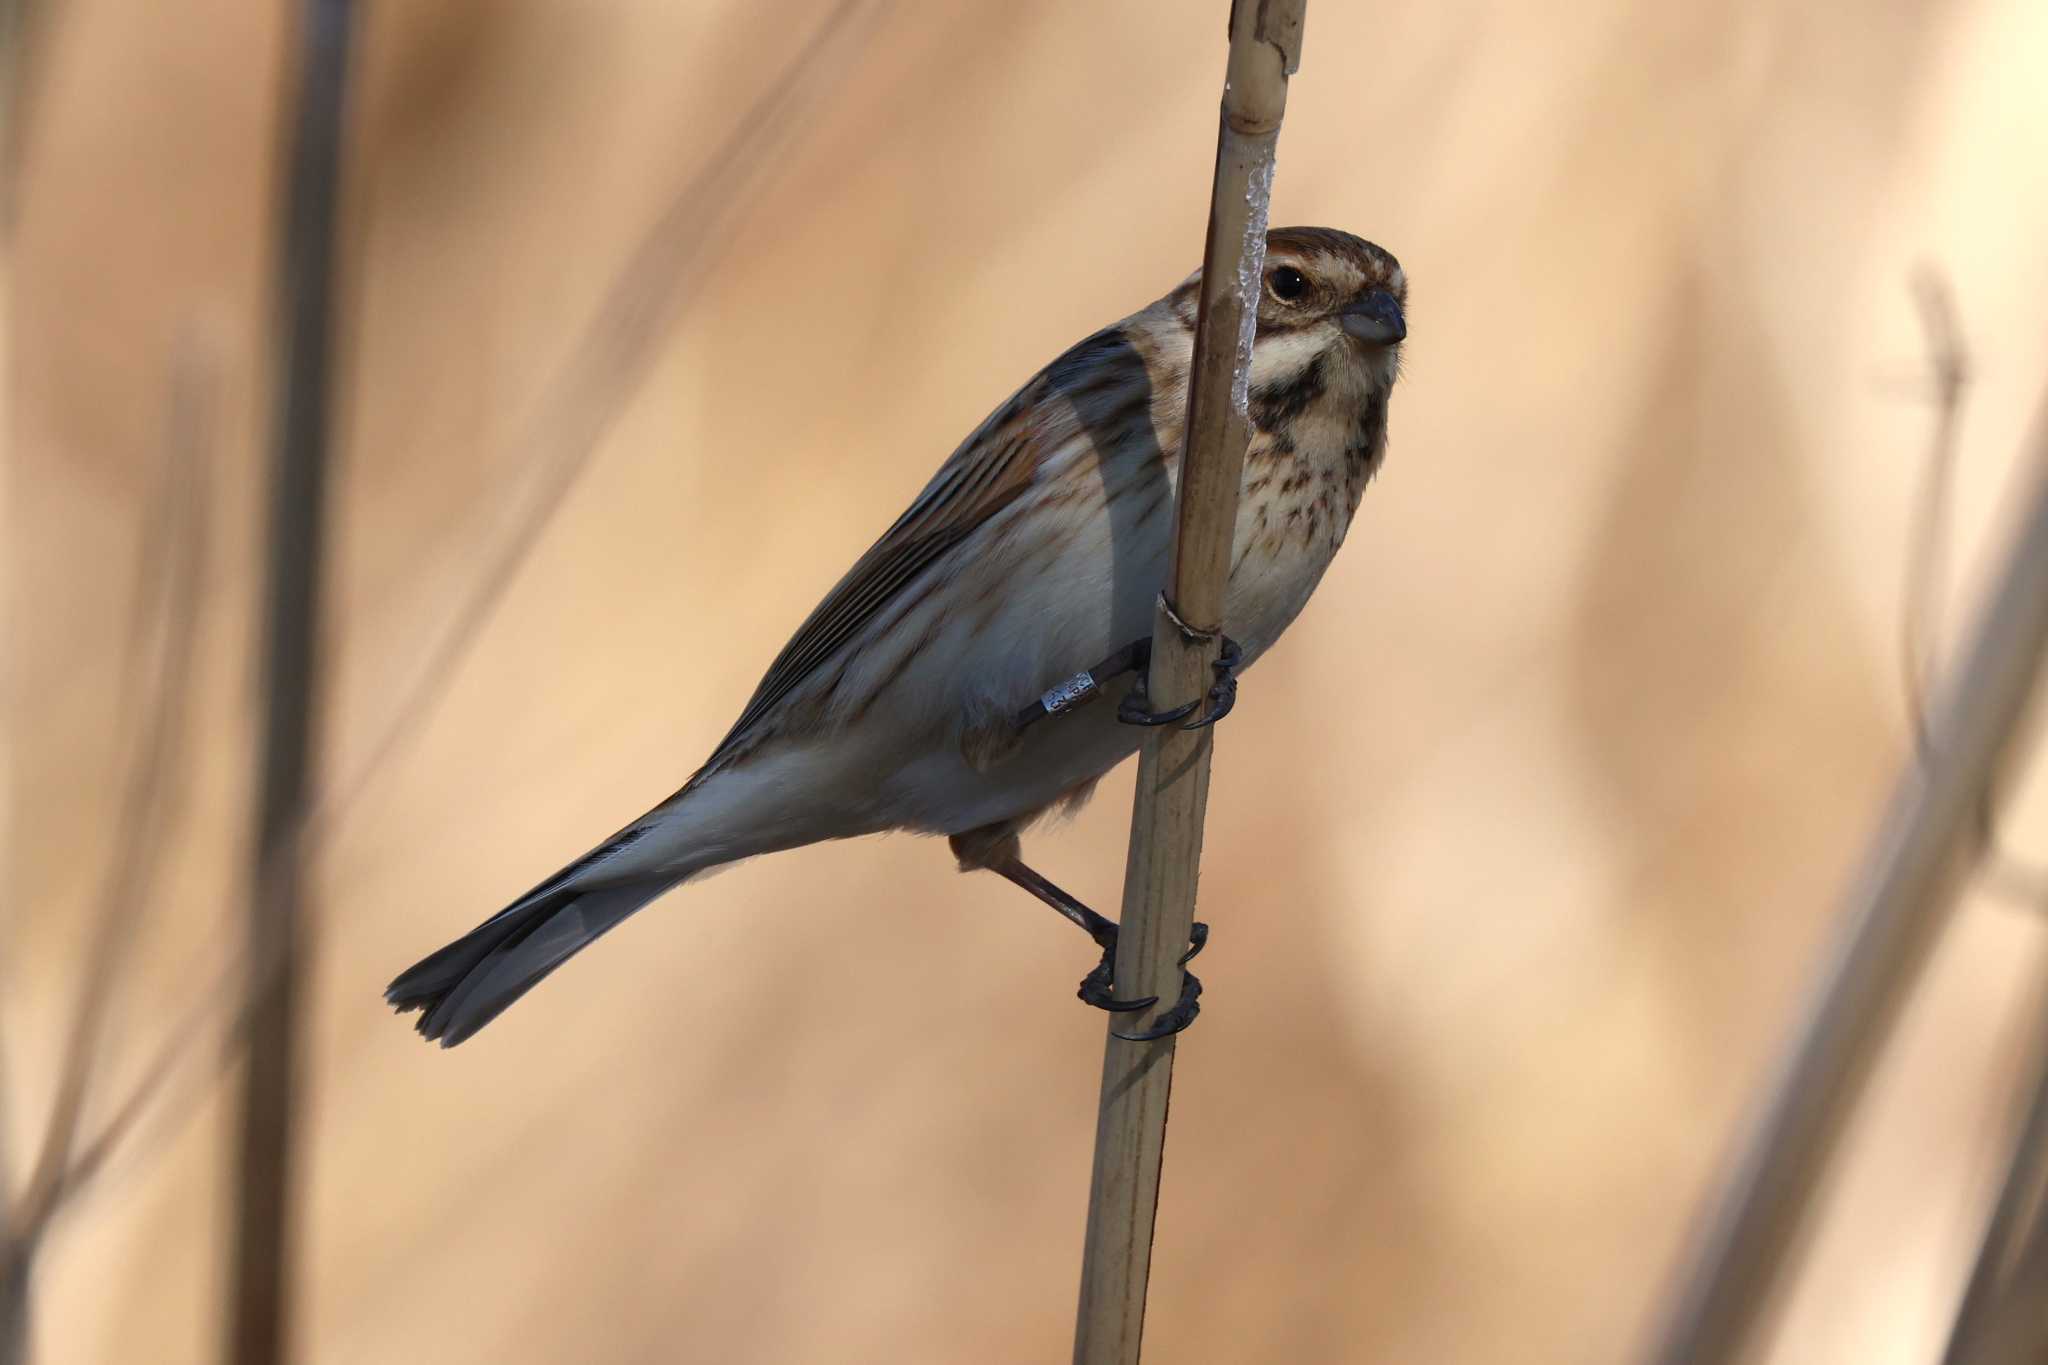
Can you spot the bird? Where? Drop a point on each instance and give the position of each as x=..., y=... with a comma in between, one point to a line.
x=981, y=665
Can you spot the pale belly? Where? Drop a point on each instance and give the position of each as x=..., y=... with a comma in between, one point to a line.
x=941, y=791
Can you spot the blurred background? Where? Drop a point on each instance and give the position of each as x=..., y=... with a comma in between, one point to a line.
x=1522, y=848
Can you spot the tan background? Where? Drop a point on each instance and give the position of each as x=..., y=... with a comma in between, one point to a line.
x=1521, y=849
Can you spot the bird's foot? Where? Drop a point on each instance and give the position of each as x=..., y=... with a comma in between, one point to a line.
x=1135, y=710
x=1136, y=657
x=1098, y=988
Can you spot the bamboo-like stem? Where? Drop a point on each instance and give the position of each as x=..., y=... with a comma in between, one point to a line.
x=258, y=1328
x=1895, y=907
x=1173, y=768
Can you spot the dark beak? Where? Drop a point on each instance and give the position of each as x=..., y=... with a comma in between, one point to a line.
x=1374, y=318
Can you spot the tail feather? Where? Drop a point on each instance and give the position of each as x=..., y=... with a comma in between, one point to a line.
x=709, y=823
x=471, y=981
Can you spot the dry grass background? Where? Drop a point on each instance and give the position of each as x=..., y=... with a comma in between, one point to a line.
x=1521, y=848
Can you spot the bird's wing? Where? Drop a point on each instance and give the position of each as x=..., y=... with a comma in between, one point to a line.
x=992, y=468
x=989, y=471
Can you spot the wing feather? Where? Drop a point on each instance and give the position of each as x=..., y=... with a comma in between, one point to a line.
x=1096, y=391
x=988, y=472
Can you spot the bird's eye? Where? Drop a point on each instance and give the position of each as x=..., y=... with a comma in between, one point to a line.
x=1287, y=284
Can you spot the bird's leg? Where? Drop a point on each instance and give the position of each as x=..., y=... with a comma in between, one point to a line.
x=1098, y=988
x=1136, y=657
x=1086, y=687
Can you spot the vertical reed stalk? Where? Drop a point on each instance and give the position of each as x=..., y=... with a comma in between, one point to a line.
x=259, y=1326
x=1173, y=768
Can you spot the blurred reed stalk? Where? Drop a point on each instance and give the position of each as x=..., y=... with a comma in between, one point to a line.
x=2003, y=1317
x=156, y=673
x=257, y=1308
x=654, y=286
x=614, y=352
x=22, y=27
x=1896, y=907
x=1999, y=1317
x=1173, y=767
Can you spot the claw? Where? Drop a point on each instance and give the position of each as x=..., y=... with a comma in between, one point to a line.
x=1222, y=696
x=1174, y=1020
x=1095, y=990
x=1098, y=988
x=1132, y=711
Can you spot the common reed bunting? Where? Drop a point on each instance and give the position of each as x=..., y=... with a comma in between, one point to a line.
x=926, y=692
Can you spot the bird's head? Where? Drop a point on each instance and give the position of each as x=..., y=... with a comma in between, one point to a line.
x=1331, y=296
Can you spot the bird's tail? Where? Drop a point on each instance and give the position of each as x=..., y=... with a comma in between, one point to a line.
x=470, y=982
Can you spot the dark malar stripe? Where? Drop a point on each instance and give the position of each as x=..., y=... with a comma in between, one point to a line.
x=1275, y=406
x=1362, y=455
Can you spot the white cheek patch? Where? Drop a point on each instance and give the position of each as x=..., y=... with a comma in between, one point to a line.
x=1282, y=357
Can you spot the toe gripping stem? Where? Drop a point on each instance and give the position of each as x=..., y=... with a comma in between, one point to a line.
x=1222, y=694
x=1098, y=988
x=1190, y=1003
x=1135, y=709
